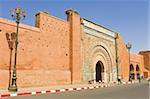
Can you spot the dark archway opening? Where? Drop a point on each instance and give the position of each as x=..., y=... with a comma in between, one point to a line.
x=137, y=72
x=99, y=71
x=132, y=75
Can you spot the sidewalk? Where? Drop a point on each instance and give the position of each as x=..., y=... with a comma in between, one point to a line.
x=52, y=87
x=55, y=89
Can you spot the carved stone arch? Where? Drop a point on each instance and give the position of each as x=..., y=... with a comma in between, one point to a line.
x=106, y=47
x=109, y=51
x=107, y=54
x=100, y=53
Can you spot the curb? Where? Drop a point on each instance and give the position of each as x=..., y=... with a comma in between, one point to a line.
x=57, y=90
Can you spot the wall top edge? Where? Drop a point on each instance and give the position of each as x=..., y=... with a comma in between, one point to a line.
x=49, y=15
x=9, y=22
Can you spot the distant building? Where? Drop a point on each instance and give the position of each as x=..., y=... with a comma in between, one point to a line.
x=59, y=52
x=146, y=56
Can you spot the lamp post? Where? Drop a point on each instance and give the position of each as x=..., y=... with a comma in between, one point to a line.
x=116, y=47
x=128, y=45
x=17, y=14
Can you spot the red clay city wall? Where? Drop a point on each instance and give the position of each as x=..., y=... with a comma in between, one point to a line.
x=43, y=52
x=48, y=54
x=123, y=59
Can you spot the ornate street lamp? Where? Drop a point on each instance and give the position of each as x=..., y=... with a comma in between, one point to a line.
x=17, y=14
x=128, y=45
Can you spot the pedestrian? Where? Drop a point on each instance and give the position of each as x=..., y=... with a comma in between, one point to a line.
x=119, y=79
x=139, y=79
x=130, y=78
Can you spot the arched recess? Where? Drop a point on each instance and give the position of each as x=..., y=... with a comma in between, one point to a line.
x=99, y=71
x=99, y=53
x=132, y=75
x=137, y=72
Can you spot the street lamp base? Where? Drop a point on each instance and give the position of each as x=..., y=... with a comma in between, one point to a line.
x=13, y=88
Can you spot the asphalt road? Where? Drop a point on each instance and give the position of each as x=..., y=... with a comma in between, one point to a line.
x=136, y=91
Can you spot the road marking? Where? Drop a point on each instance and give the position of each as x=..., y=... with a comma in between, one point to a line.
x=43, y=92
x=12, y=95
x=91, y=87
x=33, y=93
x=62, y=90
x=52, y=91
x=74, y=88
x=47, y=91
x=70, y=89
x=5, y=95
x=79, y=88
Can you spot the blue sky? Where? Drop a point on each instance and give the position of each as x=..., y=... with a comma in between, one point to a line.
x=128, y=17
